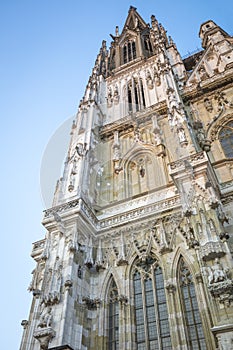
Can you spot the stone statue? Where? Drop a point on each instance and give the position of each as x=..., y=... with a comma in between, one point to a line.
x=203, y=74
x=181, y=134
x=45, y=318
x=208, y=104
x=217, y=273
x=149, y=80
x=116, y=94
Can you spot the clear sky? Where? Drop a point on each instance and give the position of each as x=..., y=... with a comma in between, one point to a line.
x=48, y=48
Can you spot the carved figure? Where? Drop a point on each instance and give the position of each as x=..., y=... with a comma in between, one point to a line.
x=116, y=94
x=208, y=105
x=217, y=273
x=74, y=167
x=109, y=97
x=45, y=318
x=181, y=135
x=202, y=73
x=149, y=80
x=81, y=149
x=157, y=78
x=37, y=278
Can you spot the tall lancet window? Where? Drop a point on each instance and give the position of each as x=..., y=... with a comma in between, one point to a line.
x=147, y=44
x=113, y=317
x=151, y=315
x=226, y=139
x=192, y=319
x=130, y=101
x=135, y=94
x=129, y=51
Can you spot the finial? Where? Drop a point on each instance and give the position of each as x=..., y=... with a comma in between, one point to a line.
x=132, y=8
x=154, y=21
x=117, y=31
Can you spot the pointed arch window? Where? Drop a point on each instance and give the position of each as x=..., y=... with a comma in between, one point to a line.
x=192, y=319
x=113, y=318
x=151, y=315
x=129, y=51
x=226, y=139
x=134, y=52
x=147, y=44
x=136, y=96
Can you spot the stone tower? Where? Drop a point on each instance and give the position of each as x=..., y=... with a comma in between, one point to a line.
x=137, y=251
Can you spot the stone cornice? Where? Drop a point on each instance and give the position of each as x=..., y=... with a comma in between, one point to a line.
x=113, y=221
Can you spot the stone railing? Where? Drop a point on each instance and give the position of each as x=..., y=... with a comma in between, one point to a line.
x=117, y=219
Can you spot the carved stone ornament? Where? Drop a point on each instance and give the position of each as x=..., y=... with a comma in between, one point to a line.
x=219, y=283
x=81, y=149
x=91, y=304
x=51, y=298
x=123, y=299
x=171, y=288
x=160, y=150
x=208, y=105
x=122, y=261
x=68, y=284
x=99, y=265
x=24, y=323
x=149, y=80
x=36, y=293
x=204, y=143
x=223, y=291
x=109, y=97
x=44, y=336
x=116, y=96
x=211, y=250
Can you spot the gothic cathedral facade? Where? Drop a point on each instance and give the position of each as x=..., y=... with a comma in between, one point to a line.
x=138, y=247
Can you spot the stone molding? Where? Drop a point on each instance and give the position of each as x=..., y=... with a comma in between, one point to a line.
x=223, y=291
x=211, y=250
x=195, y=159
x=115, y=220
x=91, y=304
x=44, y=336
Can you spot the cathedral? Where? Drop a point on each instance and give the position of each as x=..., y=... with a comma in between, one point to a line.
x=138, y=244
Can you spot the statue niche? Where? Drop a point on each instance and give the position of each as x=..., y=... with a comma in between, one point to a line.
x=137, y=173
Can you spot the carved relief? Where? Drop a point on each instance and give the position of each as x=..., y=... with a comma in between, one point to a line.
x=91, y=304
x=45, y=319
x=149, y=80
x=211, y=250
x=38, y=276
x=208, y=104
x=204, y=143
x=219, y=283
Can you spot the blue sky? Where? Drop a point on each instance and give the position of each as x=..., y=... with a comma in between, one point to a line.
x=48, y=48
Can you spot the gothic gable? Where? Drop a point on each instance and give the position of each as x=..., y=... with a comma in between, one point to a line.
x=218, y=55
x=133, y=21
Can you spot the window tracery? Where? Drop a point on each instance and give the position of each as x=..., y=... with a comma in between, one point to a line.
x=147, y=44
x=192, y=319
x=135, y=95
x=129, y=51
x=113, y=318
x=151, y=315
x=226, y=139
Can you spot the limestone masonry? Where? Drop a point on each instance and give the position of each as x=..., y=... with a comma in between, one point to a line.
x=137, y=253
